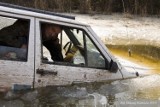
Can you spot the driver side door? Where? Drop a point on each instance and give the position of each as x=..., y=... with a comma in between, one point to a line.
x=83, y=60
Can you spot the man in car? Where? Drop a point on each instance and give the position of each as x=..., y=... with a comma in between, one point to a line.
x=14, y=40
x=15, y=35
x=50, y=40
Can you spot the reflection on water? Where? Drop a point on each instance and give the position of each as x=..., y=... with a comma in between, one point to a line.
x=89, y=95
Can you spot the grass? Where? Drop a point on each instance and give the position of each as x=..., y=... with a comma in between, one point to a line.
x=142, y=54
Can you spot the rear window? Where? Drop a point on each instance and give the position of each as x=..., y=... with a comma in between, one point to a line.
x=14, y=36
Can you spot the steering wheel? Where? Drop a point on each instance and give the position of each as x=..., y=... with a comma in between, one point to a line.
x=69, y=45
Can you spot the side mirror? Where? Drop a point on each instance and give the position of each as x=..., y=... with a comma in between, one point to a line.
x=113, y=66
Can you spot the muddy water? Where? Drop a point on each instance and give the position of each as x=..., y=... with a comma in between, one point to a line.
x=147, y=55
x=146, y=51
x=137, y=92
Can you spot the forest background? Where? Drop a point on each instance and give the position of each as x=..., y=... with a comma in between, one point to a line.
x=136, y=7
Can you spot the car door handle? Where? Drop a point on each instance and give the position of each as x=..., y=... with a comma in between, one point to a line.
x=43, y=72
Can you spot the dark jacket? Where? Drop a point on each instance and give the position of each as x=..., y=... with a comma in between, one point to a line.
x=54, y=49
x=15, y=35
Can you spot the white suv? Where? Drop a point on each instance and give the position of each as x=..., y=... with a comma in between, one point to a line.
x=86, y=58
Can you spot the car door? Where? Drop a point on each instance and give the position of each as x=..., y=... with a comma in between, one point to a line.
x=16, y=62
x=83, y=60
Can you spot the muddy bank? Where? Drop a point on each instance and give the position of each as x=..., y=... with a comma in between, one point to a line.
x=118, y=28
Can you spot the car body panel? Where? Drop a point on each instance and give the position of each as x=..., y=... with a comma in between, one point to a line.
x=18, y=71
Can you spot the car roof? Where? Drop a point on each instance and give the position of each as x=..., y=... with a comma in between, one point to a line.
x=10, y=8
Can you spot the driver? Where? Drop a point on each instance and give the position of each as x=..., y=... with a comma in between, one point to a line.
x=50, y=40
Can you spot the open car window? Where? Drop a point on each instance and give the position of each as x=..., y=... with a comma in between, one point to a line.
x=14, y=36
x=77, y=50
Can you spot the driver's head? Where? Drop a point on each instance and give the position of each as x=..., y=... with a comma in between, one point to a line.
x=50, y=31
